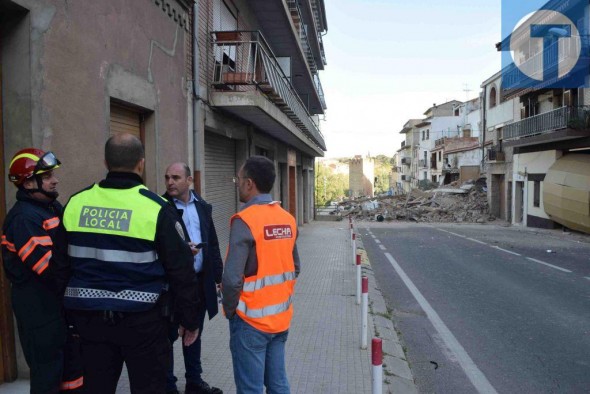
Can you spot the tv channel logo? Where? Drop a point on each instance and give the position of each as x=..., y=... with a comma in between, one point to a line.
x=544, y=45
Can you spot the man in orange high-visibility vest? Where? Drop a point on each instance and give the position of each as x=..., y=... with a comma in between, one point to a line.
x=259, y=280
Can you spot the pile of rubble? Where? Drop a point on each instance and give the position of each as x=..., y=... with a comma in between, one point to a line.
x=453, y=203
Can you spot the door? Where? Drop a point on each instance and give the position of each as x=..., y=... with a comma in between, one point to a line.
x=220, y=189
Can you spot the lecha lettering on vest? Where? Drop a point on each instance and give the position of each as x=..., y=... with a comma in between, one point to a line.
x=277, y=231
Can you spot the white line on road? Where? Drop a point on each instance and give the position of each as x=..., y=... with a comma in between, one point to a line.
x=373, y=236
x=587, y=277
x=548, y=265
x=476, y=377
x=507, y=251
x=377, y=241
x=477, y=240
x=450, y=232
x=382, y=247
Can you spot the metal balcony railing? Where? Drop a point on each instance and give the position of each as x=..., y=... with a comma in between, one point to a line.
x=245, y=62
x=439, y=142
x=560, y=118
x=495, y=154
x=406, y=160
x=403, y=144
x=302, y=33
x=422, y=163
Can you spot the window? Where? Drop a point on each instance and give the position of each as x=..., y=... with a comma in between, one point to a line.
x=439, y=155
x=427, y=134
x=423, y=134
x=425, y=175
x=493, y=99
x=537, y=194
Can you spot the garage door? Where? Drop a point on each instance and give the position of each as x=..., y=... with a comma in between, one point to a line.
x=220, y=168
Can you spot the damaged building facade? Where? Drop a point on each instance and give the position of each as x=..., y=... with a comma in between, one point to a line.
x=209, y=82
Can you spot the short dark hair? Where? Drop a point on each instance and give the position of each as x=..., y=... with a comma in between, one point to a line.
x=187, y=169
x=262, y=172
x=123, y=151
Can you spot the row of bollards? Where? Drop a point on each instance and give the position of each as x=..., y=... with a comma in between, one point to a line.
x=362, y=298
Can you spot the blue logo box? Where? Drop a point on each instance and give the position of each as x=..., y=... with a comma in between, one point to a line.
x=544, y=44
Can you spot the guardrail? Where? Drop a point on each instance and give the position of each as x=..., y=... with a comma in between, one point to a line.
x=560, y=118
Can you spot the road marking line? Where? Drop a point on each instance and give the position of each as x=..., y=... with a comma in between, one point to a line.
x=587, y=277
x=450, y=232
x=549, y=265
x=507, y=251
x=377, y=241
x=477, y=378
x=477, y=240
x=382, y=247
x=373, y=236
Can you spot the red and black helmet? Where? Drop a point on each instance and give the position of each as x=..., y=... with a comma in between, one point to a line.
x=29, y=162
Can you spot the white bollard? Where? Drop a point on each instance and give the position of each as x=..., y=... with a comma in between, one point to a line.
x=358, y=278
x=364, y=312
x=353, y=248
x=377, y=361
x=351, y=228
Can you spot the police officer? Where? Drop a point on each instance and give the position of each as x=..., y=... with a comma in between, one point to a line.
x=36, y=264
x=126, y=247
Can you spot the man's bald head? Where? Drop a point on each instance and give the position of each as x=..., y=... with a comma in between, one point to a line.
x=122, y=152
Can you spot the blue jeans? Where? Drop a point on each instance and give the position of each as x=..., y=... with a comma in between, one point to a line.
x=258, y=359
x=192, y=356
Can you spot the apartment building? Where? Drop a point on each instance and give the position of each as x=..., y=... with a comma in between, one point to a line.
x=406, y=153
x=209, y=82
x=440, y=121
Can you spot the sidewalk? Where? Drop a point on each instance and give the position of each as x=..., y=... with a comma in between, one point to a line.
x=323, y=350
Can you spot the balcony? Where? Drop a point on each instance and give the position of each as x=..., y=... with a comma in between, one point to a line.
x=406, y=161
x=495, y=154
x=422, y=163
x=279, y=26
x=560, y=124
x=248, y=80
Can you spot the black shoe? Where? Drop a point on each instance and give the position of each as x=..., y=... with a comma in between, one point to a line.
x=201, y=388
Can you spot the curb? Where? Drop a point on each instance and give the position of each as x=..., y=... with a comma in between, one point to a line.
x=397, y=375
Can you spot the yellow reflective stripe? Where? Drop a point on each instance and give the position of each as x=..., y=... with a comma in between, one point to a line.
x=27, y=155
x=266, y=311
x=268, y=281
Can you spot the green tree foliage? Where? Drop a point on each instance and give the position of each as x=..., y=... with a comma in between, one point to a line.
x=382, y=170
x=329, y=185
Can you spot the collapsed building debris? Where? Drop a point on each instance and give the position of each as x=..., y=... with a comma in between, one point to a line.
x=453, y=203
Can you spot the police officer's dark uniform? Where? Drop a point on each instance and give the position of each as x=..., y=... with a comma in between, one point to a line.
x=126, y=246
x=35, y=262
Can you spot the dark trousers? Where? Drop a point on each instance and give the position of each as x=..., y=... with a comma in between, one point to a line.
x=42, y=333
x=191, y=355
x=139, y=340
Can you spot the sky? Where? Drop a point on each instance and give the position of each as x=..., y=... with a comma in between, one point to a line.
x=391, y=60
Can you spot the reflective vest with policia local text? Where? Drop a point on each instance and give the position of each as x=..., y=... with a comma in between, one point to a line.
x=266, y=298
x=111, y=235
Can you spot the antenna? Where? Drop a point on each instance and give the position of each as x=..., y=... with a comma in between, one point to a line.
x=466, y=90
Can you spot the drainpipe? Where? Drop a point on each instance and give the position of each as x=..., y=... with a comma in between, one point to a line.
x=483, y=131
x=196, y=97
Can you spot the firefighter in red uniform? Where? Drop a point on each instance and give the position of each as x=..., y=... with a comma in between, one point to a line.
x=35, y=262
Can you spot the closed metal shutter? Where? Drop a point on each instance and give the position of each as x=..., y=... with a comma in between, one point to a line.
x=220, y=168
x=125, y=120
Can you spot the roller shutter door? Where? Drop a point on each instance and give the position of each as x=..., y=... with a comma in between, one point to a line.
x=220, y=168
x=125, y=120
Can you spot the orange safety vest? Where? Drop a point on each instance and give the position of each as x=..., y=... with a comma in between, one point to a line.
x=266, y=299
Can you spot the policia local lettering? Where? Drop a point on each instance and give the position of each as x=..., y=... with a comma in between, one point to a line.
x=105, y=218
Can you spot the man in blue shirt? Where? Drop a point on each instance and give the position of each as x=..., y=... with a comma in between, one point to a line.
x=197, y=217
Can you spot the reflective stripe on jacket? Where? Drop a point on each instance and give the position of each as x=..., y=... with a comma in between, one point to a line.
x=266, y=299
x=111, y=235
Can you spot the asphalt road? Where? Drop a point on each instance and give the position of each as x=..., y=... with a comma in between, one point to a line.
x=487, y=308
